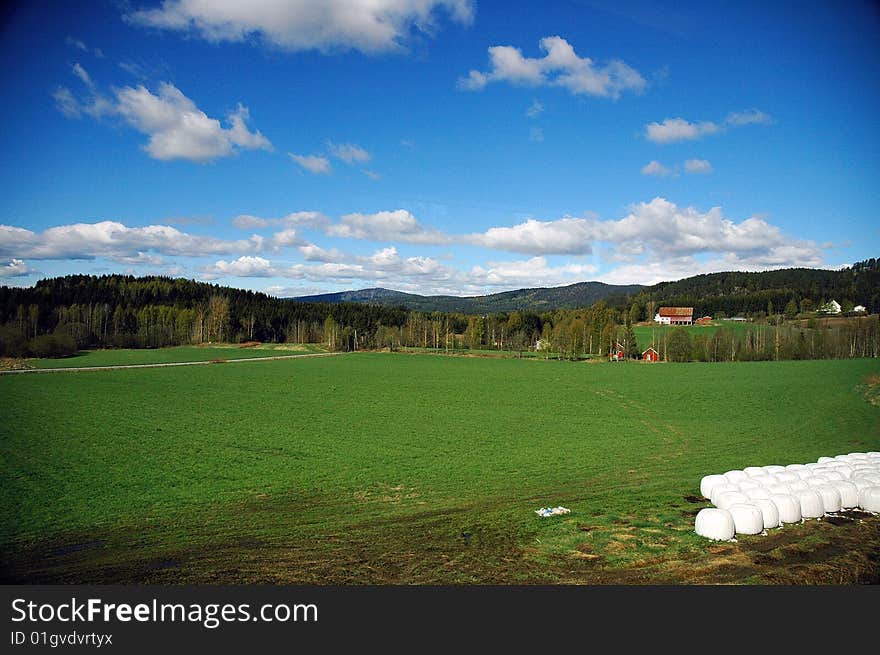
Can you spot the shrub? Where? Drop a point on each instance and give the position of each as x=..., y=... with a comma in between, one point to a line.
x=52, y=345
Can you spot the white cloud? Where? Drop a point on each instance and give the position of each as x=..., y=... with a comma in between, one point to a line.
x=534, y=272
x=117, y=241
x=313, y=163
x=15, y=268
x=560, y=66
x=79, y=45
x=285, y=238
x=76, y=43
x=397, y=225
x=177, y=128
x=66, y=102
x=302, y=219
x=697, y=166
x=315, y=253
x=748, y=117
x=672, y=130
x=348, y=152
x=658, y=228
x=373, y=175
x=81, y=73
x=535, y=109
x=656, y=169
x=366, y=25
x=180, y=130
x=566, y=236
x=242, y=267
x=536, y=134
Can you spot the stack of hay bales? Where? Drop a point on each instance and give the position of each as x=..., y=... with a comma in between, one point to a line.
x=756, y=498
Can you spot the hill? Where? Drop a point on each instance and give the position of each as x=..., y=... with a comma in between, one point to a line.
x=731, y=293
x=581, y=294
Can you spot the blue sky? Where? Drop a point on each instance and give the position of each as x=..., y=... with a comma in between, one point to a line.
x=436, y=146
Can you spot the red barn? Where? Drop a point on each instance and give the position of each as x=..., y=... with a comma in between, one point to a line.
x=675, y=316
x=650, y=355
x=618, y=354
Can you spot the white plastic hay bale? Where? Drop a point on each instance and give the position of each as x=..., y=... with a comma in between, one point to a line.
x=745, y=485
x=747, y=518
x=798, y=485
x=769, y=511
x=869, y=499
x=857, y=456
x=849, y=493
x=719, y=489
x=830, y=497
x=757, y=492
x=815, y=481
x=812, y=506
x=791, y=468
x=804, y=473
x=773, y=468
x=714, y=523
x=870, y=477
x=779, y=488
x=710, y=481
x=845, y=470
x=834, y=475
x=824, y=460
x=753, y=471
x=736, y=476
x=728, y=498
x=861, y=484
x=819, y=477
x=787, y=476
x=764, y=480
x=789, y=507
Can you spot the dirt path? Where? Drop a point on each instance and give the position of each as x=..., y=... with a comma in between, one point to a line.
x=122, y=366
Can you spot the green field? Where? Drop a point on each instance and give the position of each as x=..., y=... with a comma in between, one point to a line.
x=395, y=468
x=126, y=356
x=645, y=334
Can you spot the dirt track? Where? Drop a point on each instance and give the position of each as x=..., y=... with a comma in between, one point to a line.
x=122, y=366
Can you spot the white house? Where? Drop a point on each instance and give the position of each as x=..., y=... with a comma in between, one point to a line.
x=832, y=307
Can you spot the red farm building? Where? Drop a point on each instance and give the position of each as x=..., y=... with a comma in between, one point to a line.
x=618, y=354
x=704, y=320
x=675, y=316
x=650, y=355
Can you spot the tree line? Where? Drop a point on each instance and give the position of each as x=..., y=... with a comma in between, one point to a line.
x=59, y=316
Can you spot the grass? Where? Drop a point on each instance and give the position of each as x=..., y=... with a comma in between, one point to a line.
x=646, y=333
x=125, y=356
x=396, y=468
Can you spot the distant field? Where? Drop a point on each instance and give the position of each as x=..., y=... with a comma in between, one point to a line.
x=645, y=333
x=399, y=468
x=126, y=356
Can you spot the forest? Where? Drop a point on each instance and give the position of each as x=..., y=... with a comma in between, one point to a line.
x=60, y=316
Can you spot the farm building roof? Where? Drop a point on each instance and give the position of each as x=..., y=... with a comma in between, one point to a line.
x=676, y=311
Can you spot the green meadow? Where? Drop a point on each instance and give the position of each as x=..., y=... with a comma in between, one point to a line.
x=648, y=334
x=401, y=468
x=127, y=357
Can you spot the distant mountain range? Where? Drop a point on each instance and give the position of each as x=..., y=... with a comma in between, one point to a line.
x=732, y=292
x=581, y=294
